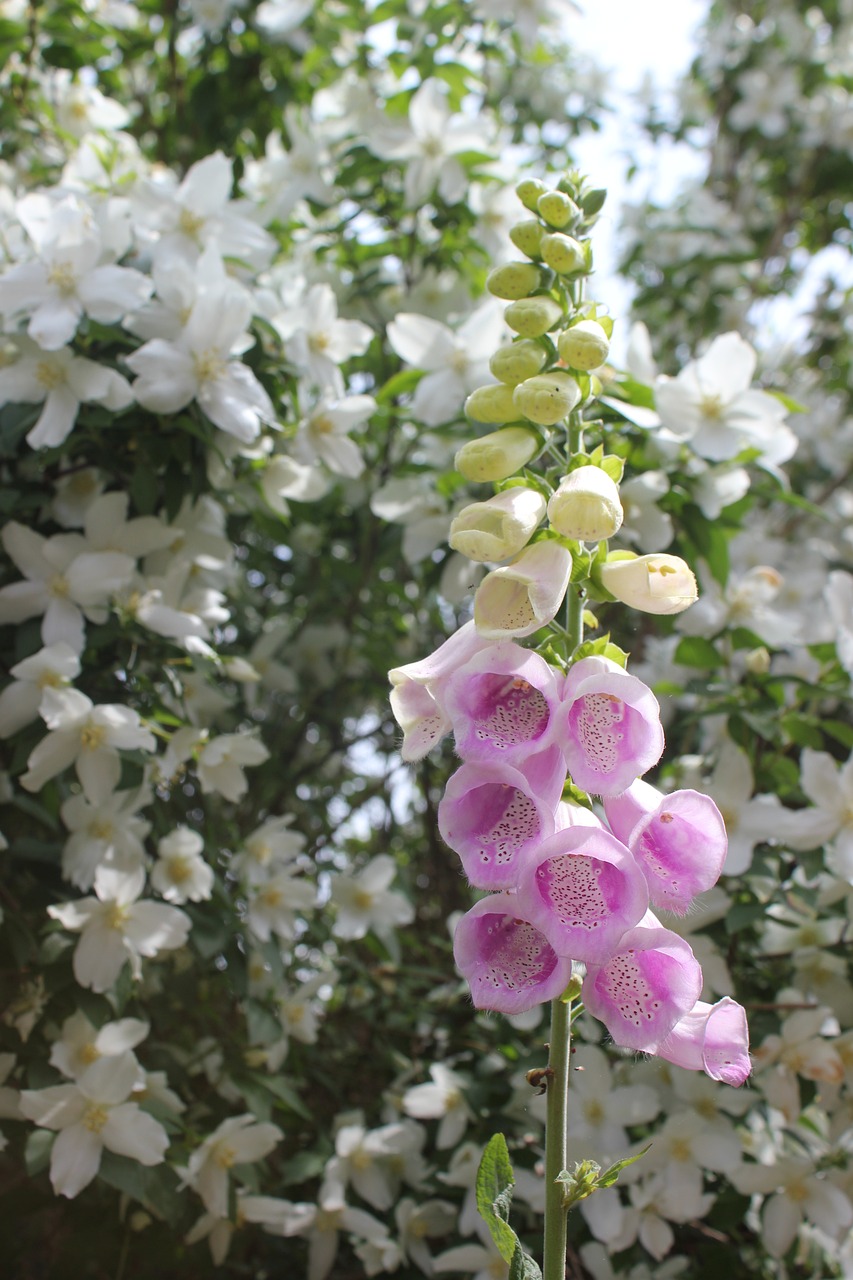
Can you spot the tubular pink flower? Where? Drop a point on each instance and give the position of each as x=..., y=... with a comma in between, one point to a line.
x=509, y=965
x=612, y=728
x=416, y=696
x=493, y=817
x=713, y=1038
x=584, y=891
x=504, y=705
x=679, y=841
x=642, y=991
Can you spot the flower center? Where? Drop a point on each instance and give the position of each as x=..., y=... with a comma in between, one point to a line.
x=179, y=870
x=208, y=365
x=117, y=917
x=89, y=1054
x=92, y=737
x=101, y=829
x=363, y=899
x=190, y=223
x=225, y=1157
x=711, y=407
x=50, y=375
x=63, y=276
x=95, y=1118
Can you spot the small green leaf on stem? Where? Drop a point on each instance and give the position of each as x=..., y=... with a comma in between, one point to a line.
x=495, y=1182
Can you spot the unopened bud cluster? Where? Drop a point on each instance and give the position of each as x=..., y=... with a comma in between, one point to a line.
x=544, y=389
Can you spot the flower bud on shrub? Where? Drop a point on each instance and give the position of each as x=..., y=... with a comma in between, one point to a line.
x=547, y=398
x=491, y=404
x=498, y=455
x=563, y=253
x=585, y=346
x=518, y=360
x=586, y=506
x=654, y=584
x=531, y=317
x=498, y=528
x=557, y=209
x=527, y=236
x=529, y=192
x=514, y=280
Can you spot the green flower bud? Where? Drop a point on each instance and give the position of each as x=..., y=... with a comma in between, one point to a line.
x=593, y=201
x=498, y=455
x=526, y=236
x=514, y=280
x=529, y=192
x=491, y=404
x=585, y=346
x=586, y=506
x=563, y=253
x=557, y=209
x=531, y=317
x=517, y=361
x=547, y=398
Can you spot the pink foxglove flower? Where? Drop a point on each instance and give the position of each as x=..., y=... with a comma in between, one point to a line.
x=504, y=705
x=493, y=818
x=613, y=731
x=713, y=1038
x=584, y=891
x=520, y=597
x=509, y=964
x=417, y=696
x=679, y=840
x=642, y=991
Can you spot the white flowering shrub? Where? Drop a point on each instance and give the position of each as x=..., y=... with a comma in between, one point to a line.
x=243, y=307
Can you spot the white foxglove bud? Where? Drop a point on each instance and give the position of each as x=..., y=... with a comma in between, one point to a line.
x=498, y=528
x=514, y=280
x=518, y=360
x=654, y=584
x=586, y=506
x=491, y=404
x=523, y=596
x=527, y=236
x=547, y=398
x=563, y=253
x=557, y=209
x=528, y=191
x=585, y=346
x=497, y=455
x=531, y=317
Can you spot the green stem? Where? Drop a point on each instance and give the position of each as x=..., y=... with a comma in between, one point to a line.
x=556, y=1149
x=557, y=1098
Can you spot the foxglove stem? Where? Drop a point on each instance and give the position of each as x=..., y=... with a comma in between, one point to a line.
x=559, y=1053
x=556, y=1144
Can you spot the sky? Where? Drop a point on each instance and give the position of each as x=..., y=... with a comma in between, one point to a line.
x=631, y=40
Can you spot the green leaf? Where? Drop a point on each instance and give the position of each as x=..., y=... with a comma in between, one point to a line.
x=609, y=1176
x=793, y=406
x=37, y=1151
x=522, y=1266
x=695, y=651
x=494, y=1195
